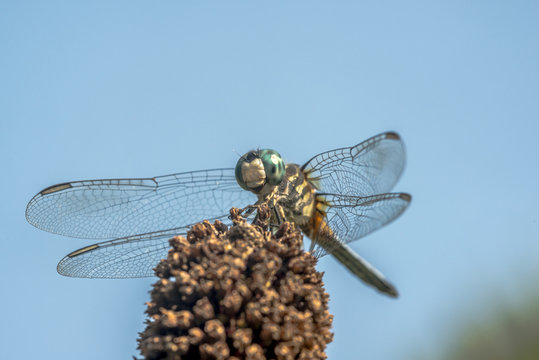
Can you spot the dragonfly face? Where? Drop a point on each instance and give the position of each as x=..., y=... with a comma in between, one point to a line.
x=259, y=168
x=336, y=197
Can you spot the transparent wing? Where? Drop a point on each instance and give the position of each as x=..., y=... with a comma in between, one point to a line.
x=113, y=208
x=128, y=257
x=371, y=167
x=352, y=217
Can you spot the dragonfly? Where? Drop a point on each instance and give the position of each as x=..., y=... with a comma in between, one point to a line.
x=336, y=197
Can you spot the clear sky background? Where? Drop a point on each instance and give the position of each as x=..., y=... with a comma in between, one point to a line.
x=138, y=88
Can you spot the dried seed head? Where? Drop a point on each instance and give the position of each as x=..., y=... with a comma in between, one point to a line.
x=238, y=293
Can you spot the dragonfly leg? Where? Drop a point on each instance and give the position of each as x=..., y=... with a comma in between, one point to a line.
x=268, y=215
x=248, y=210
x=278, y=212
x=263, y=213
x=277, y=217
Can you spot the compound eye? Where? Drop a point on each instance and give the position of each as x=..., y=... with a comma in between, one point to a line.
x=273, y=165
x=250, y=173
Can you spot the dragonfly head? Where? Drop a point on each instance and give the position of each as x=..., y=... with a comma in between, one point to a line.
x=258, y=168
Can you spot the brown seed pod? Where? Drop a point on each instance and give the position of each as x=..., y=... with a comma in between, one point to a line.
x=238, y=293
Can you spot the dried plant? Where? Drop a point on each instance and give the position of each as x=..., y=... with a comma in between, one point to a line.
x=238, y=293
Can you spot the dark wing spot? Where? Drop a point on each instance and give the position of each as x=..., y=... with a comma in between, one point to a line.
x=55, y=188
x=83, y=250
x=406, y=197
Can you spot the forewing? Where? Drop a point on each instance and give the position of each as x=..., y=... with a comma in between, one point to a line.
x=352, y=217
x=113, y=208
x=371, y=167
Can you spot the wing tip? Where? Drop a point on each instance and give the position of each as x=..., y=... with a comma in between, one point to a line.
x=48, y=190
x=60, y=267
x=28, y=211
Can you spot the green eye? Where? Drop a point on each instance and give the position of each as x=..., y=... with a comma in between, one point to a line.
x=273, y=165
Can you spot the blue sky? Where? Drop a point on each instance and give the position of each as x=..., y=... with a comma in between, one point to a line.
x=135, y=89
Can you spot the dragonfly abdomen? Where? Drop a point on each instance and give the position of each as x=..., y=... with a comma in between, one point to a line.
x=322, y=235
